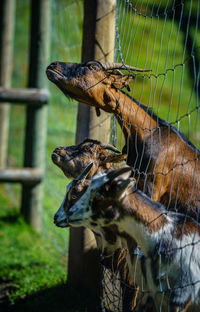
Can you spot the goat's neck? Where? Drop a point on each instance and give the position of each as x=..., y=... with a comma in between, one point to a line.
x=143, y=221
x=131, y=117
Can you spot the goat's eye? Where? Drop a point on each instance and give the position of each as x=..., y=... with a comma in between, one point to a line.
x=73, y=196
x=99, y=196
x=110, y=213
x=93, y=66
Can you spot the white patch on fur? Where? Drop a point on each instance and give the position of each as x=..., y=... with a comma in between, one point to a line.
x=81, y=211
x=171, y=263
x=61, y=214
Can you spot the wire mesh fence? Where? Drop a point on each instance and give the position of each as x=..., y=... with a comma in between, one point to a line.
x=163, y=37
x=159, y=35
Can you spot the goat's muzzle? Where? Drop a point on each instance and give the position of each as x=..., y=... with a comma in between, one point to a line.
x=61, y=223
x=54, y=156
x=57, y=154
x=58, y=70
x=54, y=71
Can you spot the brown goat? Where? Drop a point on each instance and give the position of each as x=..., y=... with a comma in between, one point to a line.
x=166, y=162
x=73, y=159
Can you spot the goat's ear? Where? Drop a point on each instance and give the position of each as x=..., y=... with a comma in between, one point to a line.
x=119, y=82
x=122, y=186
x=83, y=175
x=113, y=158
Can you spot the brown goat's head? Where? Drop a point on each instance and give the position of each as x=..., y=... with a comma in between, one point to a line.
x=73, y=159
x=92, y=83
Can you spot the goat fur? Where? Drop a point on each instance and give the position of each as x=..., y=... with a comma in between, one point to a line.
x=72, y=160
x=167, y=164
x=169, y=240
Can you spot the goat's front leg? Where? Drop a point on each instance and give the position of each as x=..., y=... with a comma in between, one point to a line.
x=163, y=305
x=180, y=309
x=129, y=289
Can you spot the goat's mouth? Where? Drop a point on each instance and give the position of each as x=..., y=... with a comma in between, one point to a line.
x=76, y=222
x=53, y=74
x=62, y=224
x=55, y=157
x=59, y=158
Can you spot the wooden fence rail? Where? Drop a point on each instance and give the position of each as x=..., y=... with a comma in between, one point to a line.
x=21, y=175
x=30, y=96
x=35, y=97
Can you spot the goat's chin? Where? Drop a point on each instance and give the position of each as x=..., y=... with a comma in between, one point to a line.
x=68, y=174
x=69, y=95
x=62, y=225
x=77, y=222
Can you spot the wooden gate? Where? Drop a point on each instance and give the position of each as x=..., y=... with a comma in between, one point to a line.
x=35, y=97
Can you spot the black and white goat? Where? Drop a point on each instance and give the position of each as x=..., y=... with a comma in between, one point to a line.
x=168, y=240
x=73, y=161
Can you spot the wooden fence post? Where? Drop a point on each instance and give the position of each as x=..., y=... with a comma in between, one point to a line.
x=7, y=20
x=36, y=116
x=98, y=44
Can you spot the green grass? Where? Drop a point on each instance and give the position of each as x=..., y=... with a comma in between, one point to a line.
x=37, y=264
x=28, y=260
x=32, y=272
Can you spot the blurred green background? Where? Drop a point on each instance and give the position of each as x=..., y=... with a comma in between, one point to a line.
x=149, y=34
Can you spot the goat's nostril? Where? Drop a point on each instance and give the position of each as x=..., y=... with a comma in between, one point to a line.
x=54, y=64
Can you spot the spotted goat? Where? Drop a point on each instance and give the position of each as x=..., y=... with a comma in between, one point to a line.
x=75, y=162
x=170, y=264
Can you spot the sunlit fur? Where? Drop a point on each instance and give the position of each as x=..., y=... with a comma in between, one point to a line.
x=169, y=241
x=73, y=159
x=167, y=163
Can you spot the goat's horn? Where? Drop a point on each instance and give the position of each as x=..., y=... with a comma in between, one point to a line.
x=115, y=173
x=108, y=66
x=111, y=148
x=85, y=172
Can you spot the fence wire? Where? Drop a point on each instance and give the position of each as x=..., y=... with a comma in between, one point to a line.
x=162, y=36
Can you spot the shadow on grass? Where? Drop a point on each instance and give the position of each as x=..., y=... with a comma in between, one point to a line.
x=12, y=218
x=56, y=299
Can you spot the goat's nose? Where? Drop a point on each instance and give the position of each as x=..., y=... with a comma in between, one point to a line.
x=54, y=156
x=53, y=64
x=58, y=148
